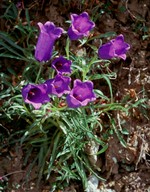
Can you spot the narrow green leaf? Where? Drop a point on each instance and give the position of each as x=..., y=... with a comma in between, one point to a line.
x=5, y=37
x=125, y=131
x=27, y=16
x=110, y=86
x=54, y=153
x=101, y=94
x=108, y=34
x=8, y=55
x=9, y=48
x=104, y=148
x=11, y=71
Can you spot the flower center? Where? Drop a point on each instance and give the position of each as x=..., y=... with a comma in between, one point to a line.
x=78, y=28
x=58, y=65
x=58, y=85
x=31, y=94
x=78, y=96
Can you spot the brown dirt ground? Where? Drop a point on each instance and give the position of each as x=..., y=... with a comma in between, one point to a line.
x=126, y=169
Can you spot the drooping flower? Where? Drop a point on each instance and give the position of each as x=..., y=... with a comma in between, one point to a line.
x=81, y=25
x=35, y=95
x=47, y=37
x=62, y=65
x=115, y=48
x=19, y=5
x=81, y=94
x=58, y=85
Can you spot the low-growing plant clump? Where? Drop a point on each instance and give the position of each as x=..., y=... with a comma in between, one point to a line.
x=65, y=119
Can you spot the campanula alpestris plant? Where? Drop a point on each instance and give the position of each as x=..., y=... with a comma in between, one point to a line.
x=64, y=133
x=81, y=94
x=35, y=94
x=58, y=85
x=62, y=65
x=81, y=25
x=115, y=48
x=47, y=37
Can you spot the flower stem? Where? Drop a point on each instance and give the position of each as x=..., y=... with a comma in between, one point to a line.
x=38, y=75
x=67, y=47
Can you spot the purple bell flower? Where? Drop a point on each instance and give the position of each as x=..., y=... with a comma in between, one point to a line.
x=115, y=48
x=58, y=85
x=62, y=65
x=81, y=94
x=19, y=5
x=81, y=25
x=35, y=95
x=47, y=37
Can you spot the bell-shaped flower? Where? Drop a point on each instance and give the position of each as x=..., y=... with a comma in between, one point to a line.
x=62, y=65
x=115, y=48
x=35, y=94
x=58, y=85
x=81, y=25
x=47, y=37
x=81, y=94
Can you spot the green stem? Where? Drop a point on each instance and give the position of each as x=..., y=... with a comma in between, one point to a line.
x=67, y=47
x=38, y=75
x=87, y=68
